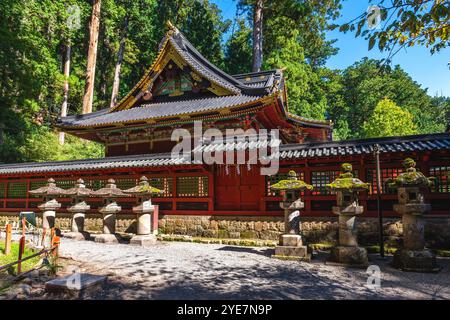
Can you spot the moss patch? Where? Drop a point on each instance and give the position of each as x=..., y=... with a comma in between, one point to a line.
x=321, y=246
x=225, y=241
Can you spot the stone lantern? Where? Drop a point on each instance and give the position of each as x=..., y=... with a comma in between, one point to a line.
x=78, y=209
x=109, y=193
x=413, y=256
x=144, y=210
x=347, y=252
x=291, y=244
x=49, y=192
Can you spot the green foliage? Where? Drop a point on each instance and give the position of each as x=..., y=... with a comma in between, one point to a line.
x=51, y=263
x=362, y=86
x=404, y=23
x=302, y=82
x=44, y=146
x=33, y=36
x=238, y=52
x=389, y=120
x=200, y=20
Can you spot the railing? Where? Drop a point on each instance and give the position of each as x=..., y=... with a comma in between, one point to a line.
x=54, y=247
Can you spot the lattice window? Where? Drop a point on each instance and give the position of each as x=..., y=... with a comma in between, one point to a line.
x=386, y=173
x=319, y=180
x=65, y=184
x=17, y=190
x=126, y=183
x=95, y=184
x=271, y=180
x=164, y=184
x=192, y=186
x=2, y=190
x=442, y=174
x=36, y=185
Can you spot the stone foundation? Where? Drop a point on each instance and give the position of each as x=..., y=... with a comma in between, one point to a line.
x=315, y=230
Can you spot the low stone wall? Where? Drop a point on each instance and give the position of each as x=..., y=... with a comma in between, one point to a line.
x=315, y=230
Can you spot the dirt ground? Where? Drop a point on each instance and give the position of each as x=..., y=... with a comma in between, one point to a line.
x=178, y=270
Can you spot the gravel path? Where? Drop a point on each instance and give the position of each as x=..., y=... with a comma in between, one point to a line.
x=177, y=270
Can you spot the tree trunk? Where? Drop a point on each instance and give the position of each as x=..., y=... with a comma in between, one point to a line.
x=94, y=27
x=66, y=90
x=115, y=88
x=257, y=35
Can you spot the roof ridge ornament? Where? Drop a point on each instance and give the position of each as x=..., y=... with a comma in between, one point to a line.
x=171, y=28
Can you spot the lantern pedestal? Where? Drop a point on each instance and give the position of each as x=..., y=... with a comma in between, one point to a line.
x=413, y=256
x=77, y=224
x=49, y=213
x=348, y=252
x=109, y=223
x=291, y=245
x=144, y=236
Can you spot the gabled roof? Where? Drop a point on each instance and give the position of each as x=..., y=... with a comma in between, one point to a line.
x=177, y=48
x=228, y=91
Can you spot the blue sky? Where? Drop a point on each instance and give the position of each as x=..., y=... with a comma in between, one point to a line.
x=430, y=71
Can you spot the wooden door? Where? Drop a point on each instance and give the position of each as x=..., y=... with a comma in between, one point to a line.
x=237, y=190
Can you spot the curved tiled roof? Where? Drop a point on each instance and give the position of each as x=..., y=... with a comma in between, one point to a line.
x=427, y=142
x=149, y=160
x=432, y=142
x=157, y=111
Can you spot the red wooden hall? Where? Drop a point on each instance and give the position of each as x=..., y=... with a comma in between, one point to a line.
x=199, y=189
x=182, y=87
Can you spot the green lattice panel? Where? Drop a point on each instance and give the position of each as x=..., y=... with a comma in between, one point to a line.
x=35, y=185
x=319, y=180
x=66, y=184
x=126, y=183
x=164, y=184
x=95, y=184
x=442, y=174
x=17, y=190
x=192, y=187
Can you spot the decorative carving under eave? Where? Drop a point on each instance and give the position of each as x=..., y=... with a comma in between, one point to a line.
x=293, y=134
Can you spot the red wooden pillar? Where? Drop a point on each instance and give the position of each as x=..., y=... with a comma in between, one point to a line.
x=262, y=190
x=211, y=177
x=155, y=218
x=362, y=177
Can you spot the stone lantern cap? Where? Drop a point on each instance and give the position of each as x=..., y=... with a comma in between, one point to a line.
x=49, y=190
x=143, y=189
x=291, y=183
x=411, y=177
x=346, y=181
x=109, y=191
x=79, y=191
